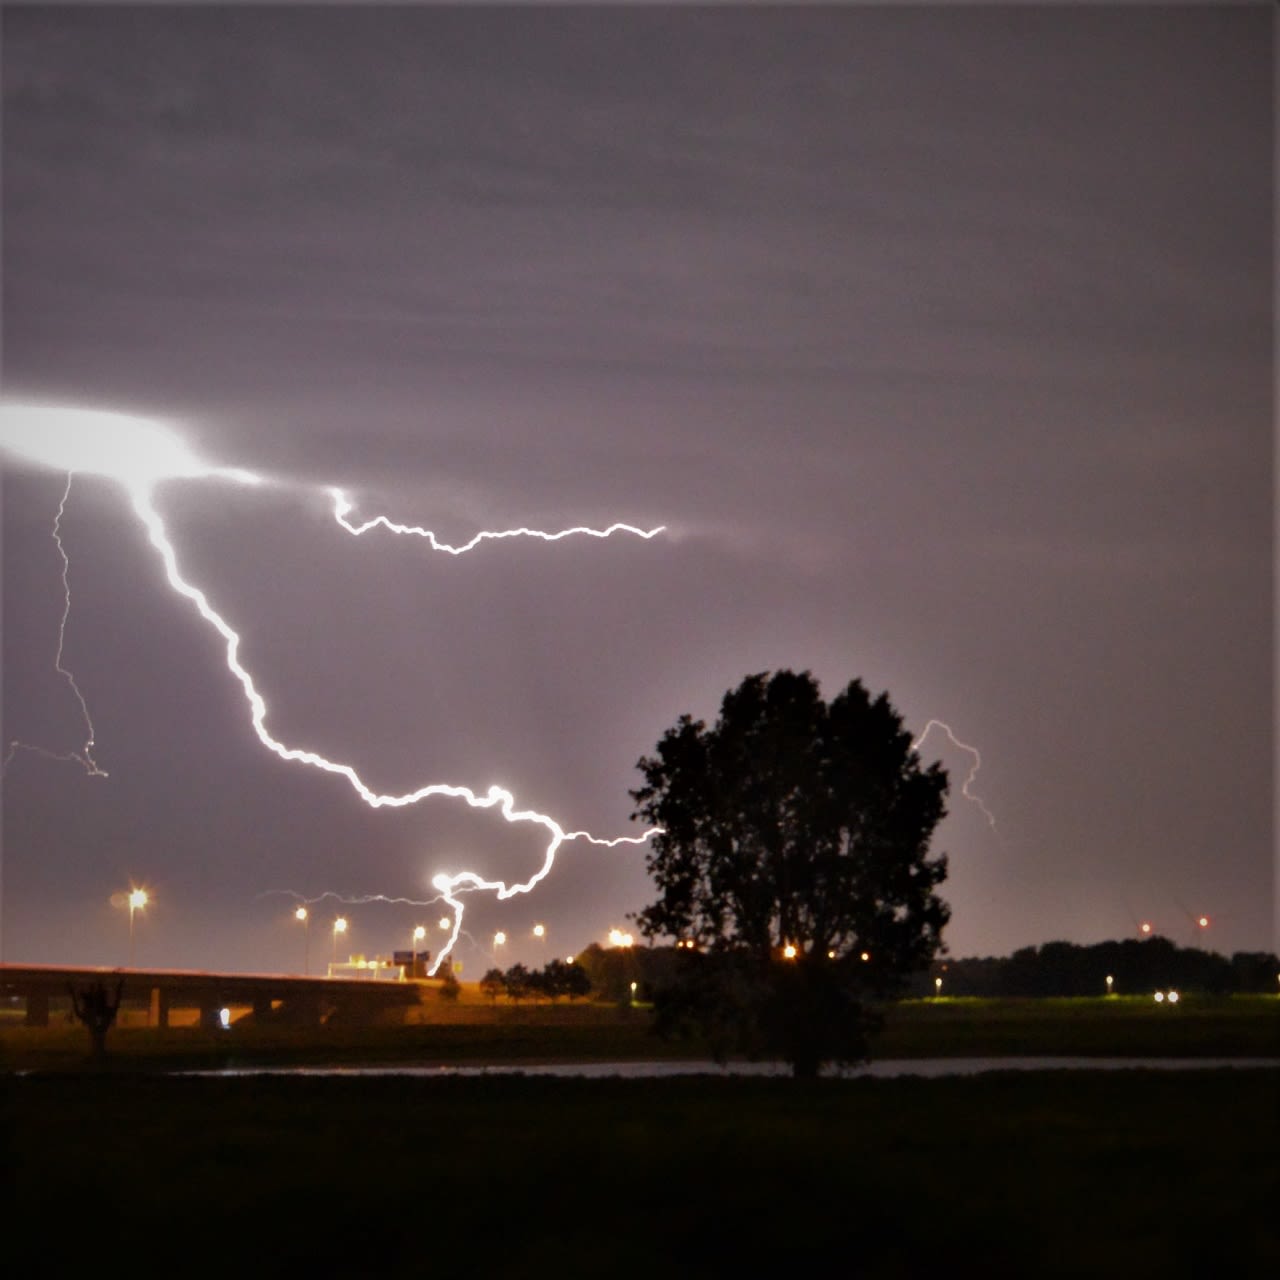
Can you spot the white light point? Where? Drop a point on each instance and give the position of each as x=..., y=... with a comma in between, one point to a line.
x=139, y=453
x=966, y=789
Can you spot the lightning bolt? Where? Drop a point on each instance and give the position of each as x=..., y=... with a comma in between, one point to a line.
x=84, y=756
x=139, y=453
x=364, y=899
x=496, y=797
x=965, y=790
x=342, y=507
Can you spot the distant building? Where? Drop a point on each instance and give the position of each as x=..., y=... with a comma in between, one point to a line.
x=414, y=963
x=375, y=970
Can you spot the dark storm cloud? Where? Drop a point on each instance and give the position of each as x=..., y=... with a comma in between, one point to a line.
x=940, y=339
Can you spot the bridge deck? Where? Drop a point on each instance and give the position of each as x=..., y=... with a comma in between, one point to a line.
x=284, y=997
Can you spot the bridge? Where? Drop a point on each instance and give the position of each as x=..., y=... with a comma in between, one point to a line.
x=276, y=998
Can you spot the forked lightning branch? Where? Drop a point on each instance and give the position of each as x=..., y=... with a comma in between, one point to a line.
x=139, y=454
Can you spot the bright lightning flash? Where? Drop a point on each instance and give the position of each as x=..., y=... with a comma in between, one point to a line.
x=966, y=790
x=139, y=454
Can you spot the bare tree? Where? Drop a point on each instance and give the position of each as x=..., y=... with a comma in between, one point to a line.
x=97, y=1009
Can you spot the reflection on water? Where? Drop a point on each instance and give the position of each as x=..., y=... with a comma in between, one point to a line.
x=931, y=1067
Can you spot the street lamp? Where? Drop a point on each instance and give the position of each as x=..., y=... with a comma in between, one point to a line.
x=137, y=900
x=1110, y=982
x=339, y=926
x=539, y=931
x=445, y=923
x=498, y=939
x=304, y=916
x=419, y=932
x=937, y=986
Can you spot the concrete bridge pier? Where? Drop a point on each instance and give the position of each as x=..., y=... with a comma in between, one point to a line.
x=159, y=1013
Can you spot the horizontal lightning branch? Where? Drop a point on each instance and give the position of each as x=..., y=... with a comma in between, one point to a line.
x=342, y=506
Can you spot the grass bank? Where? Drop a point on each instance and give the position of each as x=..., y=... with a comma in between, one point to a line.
x=1134, y=1174
x=473, y=1033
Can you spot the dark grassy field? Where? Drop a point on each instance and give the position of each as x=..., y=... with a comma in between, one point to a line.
x=1228, y=1026
x=1098, y=1174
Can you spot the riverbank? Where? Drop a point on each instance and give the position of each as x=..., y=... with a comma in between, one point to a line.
x=477, y=1032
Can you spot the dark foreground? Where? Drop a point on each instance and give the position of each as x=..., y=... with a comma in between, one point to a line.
x=1131, y=1173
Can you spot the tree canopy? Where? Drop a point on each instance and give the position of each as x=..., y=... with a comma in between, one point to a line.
x=792, y=865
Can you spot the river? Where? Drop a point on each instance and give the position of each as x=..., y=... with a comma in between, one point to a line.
x=889, y=1067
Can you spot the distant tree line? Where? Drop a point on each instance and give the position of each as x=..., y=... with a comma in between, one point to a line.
x=557, y=978
x=1136, y=966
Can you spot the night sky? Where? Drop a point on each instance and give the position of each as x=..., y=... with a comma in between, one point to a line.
x=940, y=339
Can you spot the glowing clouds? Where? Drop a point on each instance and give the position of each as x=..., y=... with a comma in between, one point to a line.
x=138, y=452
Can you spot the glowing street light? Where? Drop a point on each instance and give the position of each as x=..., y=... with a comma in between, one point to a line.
x=619, y=939
x=304, y=916
x=937, y=986
x=339, y=926
x=1145, y=928
x=539, y=931
x=789, y=951
x=137, y=900
x=419, y=932
x=445, y=923
x=1110, y=983
x=499, y=939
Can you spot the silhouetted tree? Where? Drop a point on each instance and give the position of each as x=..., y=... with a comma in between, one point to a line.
x=552, y=980
x=576, y=981
x=493, y=985
x=517, y=983
x=1136, y=966
x=1255, y=971
x=450, y=988
x=794, y=839
x=97, y=1009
